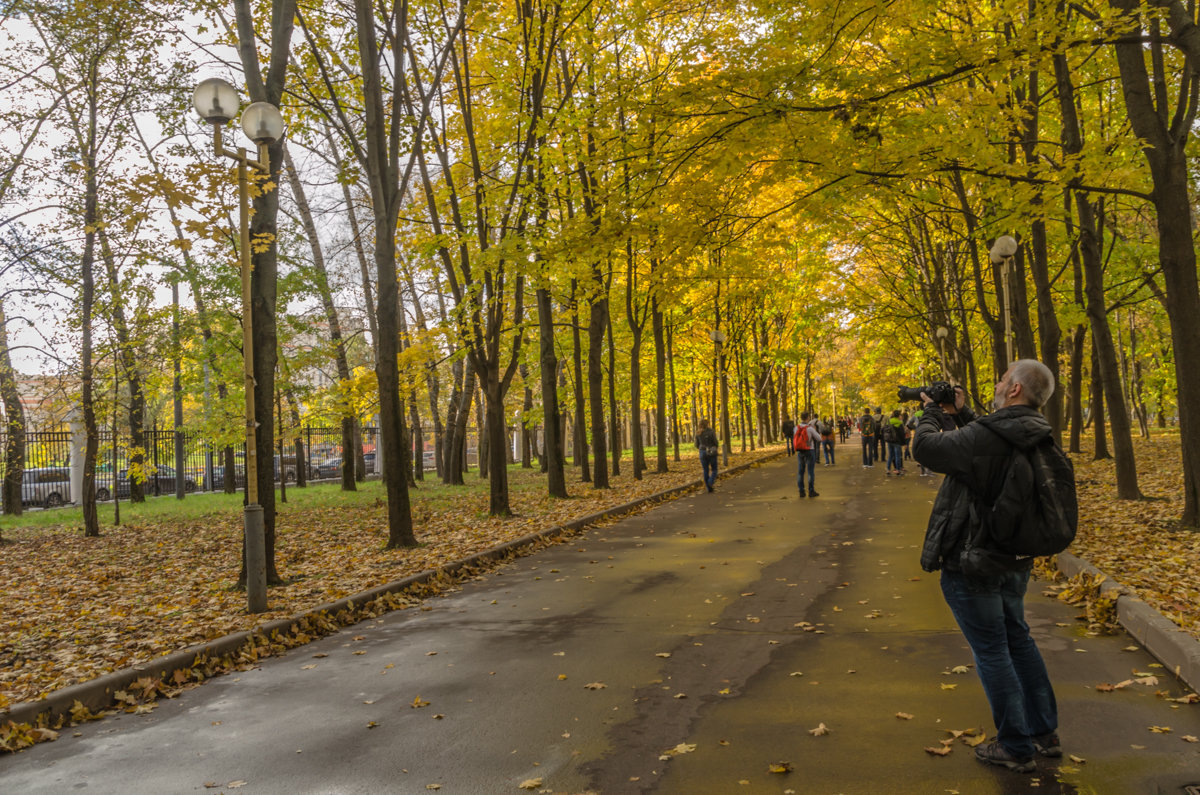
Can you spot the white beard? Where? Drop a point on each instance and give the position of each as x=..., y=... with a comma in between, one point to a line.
x=998, y=403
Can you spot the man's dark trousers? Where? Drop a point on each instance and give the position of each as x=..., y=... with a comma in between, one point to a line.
x=808, y=459
x=991, y=613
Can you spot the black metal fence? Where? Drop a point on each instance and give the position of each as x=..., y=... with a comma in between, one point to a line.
x=46, y=479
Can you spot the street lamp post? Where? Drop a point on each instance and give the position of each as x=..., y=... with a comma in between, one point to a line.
x=1003, y=251
x=942, y=333
x=217, y=102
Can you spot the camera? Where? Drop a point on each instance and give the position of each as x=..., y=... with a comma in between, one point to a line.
x=938, y=392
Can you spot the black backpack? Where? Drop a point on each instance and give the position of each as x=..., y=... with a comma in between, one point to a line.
x=1035, y=513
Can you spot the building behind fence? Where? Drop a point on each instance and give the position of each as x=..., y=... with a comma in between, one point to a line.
x=47, y=477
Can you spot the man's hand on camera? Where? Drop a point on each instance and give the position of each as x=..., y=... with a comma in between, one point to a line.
x=960, y=400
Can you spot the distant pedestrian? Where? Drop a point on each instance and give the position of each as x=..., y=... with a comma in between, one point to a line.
x=808, y=441
x=904, y=418
x=880, y=446
x=789, y=430
x=866, y=429
x=990, y=609
x=826, y=429
x=895, y=435
x=708, y=445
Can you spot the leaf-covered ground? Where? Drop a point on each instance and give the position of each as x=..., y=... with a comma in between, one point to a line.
x=1140, y=543
x=76, y=608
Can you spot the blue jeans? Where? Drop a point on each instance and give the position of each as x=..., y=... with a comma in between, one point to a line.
x=709, y=463
x=808, y=459
x=790, y=443
x=991, y=614
x=895, y=457
x=868, y=444
x=827, y=445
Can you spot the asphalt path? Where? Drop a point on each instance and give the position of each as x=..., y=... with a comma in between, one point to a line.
x=683, y=650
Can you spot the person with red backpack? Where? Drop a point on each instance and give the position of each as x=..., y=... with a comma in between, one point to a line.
x=807, y=442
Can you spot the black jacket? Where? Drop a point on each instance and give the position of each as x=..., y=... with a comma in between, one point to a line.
x=973, y=459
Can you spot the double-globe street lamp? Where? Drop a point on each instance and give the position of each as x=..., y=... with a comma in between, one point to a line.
x=217, y=103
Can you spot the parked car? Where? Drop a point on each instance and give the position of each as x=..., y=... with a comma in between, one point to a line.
x=48, y=487
x=239, y=477
x=290, y=467
x=289, y=471
x=330, y=468
x=160, y=482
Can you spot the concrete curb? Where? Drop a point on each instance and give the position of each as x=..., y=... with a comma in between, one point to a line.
x=97, y=694
x=1173, y=646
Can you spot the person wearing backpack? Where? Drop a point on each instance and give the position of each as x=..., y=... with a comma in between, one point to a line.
x=789, y=431
x=808, y=442
x=866, y=429
x=708, y=445
x=983, y=579
x=826, y=430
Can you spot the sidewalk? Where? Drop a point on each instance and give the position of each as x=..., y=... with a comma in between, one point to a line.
x=671, y=633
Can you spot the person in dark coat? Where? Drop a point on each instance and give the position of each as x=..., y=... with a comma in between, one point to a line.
x=709, y=446
x=990, y=611
x=789, y=430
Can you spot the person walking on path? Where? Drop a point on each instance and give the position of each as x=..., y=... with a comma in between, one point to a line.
x=708, y=445
x=826, y=429
x=789, y=430
x=880, y=446
x=895, y=435
x=990, y=610
x=808, y=442
x=866, y=430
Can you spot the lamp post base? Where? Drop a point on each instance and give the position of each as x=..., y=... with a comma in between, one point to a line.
x=256, y=559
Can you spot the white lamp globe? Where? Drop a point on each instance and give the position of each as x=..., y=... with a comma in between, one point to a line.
x=1004, y=247
x=215, y=100
x=262, y=122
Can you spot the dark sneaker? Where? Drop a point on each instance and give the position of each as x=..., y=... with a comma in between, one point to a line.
x=813, y=494
x=1048, y=745
x=802, y=493
x=996, y=754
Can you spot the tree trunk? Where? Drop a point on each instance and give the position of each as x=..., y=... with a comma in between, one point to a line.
x=14, y=438
x=581, y=442
x=660, y=384
x=596, y=328
x=556, y=482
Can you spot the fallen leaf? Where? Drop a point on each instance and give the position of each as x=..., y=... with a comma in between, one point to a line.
x=1188, y=738
x=595, y=685
x=948, y=687
x=779, y=767
x=308, y=667
x=1160, y=729
x=960, y=669
x=236, y=784
x=940, y=751
x=1079, y=760
x=418, y=703
x=663, y=654
x=821, y=730
x=904, y=716
x=531, y=783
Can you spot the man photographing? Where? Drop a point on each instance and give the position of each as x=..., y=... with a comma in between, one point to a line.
x=990, y=608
